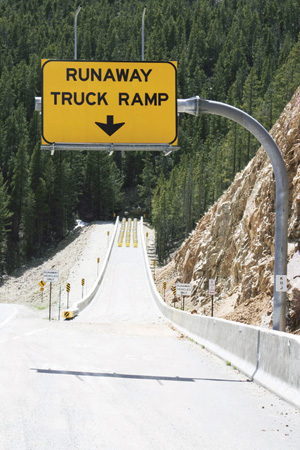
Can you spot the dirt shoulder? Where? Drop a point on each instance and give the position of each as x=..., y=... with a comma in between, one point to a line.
x=75, y=258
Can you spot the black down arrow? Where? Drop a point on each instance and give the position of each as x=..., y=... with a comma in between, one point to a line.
x=109, y=127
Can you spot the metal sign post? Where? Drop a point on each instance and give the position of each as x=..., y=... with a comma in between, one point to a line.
x=212, y=291
x=50, y=301
x=51, y=276
x=197, y=106
x=164, y=288
x=143, y=33
x=75, y=31
x=59, y=303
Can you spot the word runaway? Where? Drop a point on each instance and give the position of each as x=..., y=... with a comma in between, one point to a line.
x=90, y=74
x=98, y=98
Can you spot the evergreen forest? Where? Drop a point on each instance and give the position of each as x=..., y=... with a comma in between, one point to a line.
x=242, y=52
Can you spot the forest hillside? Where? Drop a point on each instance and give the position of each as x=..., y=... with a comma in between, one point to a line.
x=244, y=52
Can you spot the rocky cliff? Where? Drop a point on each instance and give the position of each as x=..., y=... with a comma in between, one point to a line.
x=234, y=241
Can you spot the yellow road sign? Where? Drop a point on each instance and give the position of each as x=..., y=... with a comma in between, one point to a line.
x=70, y=313
x=42, y=283
x=109, y=102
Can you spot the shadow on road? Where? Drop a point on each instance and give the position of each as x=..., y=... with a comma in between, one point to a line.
x=131, y=376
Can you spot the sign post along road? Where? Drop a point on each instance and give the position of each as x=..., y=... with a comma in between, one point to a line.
x=53, y=277
x=109, y=102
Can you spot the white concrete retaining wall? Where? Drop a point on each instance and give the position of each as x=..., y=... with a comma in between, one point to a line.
x=270, y=358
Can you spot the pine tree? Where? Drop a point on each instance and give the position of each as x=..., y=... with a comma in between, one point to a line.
x=5, y=222
x=146, y=188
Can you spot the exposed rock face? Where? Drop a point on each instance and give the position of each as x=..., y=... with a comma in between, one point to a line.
x=234, y=241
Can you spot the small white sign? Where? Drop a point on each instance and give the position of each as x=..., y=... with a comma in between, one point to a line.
x=281, y=283
x=51, y=275
x=212, y=286
x=184, y=289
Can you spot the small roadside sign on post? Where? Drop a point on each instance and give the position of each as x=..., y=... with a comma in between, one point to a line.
x=68, y=288
x=42, y=284
x=212, y=291
x=281, y=283
x=173, y=289
x=82, y=284
x=52, y=276
x=212, y=286
x=185, y=290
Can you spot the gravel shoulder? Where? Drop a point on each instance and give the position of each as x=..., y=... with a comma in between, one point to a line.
x=75, y=258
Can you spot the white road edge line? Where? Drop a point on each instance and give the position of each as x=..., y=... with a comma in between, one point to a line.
x=35, y=331
x=10, y=317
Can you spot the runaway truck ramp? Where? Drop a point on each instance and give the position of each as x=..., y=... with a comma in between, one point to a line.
x=124, y=294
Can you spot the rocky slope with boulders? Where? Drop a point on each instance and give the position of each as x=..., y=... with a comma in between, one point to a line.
x=234, y=242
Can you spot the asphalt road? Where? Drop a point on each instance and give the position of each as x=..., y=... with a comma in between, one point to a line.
x=120, y=377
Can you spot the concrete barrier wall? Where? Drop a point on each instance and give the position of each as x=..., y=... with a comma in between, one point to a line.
x=279, y=364
x=91, y=294
x=270, y=358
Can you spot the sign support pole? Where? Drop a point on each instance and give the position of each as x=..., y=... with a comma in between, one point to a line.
x=143, y=33
x=212, y=306
x=59, y=303
x=196, y=106
x=75, y=32
x=50, y=302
